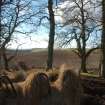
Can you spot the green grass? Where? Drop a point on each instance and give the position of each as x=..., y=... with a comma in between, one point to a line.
x=89, y=74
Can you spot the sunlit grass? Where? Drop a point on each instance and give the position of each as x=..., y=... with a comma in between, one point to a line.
x=90, y=75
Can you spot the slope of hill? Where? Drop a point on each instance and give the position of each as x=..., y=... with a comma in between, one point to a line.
x=37, y=58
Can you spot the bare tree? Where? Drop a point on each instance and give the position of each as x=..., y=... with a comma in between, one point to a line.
x=80, y=24
x=16, y=17
x=3, y=3
x=51, y=35
x=103, y=38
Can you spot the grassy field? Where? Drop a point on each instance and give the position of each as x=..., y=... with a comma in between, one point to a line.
x=37, y=59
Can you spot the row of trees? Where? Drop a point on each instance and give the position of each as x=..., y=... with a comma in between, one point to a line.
x=15, y=16
x=82, y=23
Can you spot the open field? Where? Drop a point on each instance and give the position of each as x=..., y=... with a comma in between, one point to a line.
x=37, y=59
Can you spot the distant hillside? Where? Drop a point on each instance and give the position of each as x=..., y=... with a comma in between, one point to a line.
x=37, y=58
x=12, y=51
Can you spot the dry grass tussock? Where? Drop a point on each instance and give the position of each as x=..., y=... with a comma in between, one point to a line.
x=15, y=76
x=66, y=90
x=38, y=90
x=53, y=75
x=29, y=92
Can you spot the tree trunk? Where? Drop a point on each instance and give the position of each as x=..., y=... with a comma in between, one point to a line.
x=100, y=66
x=51, y=35
x=103, y=38
x=6, y=66
x=83, y=36
x=0, y=20
x=83, y=64
x=4, y=59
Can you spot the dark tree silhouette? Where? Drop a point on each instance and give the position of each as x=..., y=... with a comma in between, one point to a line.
x=51, y=35
x=103, y=37
x=79, y=24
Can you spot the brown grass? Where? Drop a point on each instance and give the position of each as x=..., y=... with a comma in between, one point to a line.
x=38, y=90
x=53, y=75
x=31, y=91
x=66, y=90
x=71, y=87
x=38, y=59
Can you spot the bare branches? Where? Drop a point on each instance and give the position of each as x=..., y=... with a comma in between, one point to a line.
x=16, y=16
x=41, y=19
x=80, y=25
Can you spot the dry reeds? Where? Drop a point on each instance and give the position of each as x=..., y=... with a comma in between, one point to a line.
x=37, y=90
x=66, y=90
x=31, y=91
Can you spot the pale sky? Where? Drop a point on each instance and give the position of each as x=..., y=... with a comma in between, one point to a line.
x=40, y=39
x=35, y=41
